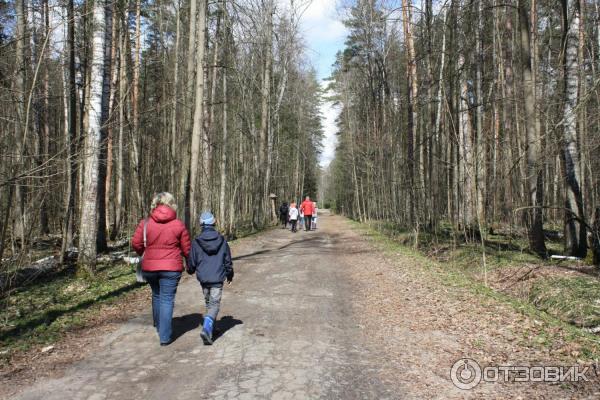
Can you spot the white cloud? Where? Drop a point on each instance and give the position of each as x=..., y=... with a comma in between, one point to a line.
x=325, y=31
x=329, y=115
x=321, y=23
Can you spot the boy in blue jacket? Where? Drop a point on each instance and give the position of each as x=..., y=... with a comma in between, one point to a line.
x=210, y=259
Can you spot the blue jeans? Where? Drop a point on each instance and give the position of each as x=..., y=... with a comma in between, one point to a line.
x=164, y=286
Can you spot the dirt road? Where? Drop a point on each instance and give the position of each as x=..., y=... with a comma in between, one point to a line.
x=313, y=315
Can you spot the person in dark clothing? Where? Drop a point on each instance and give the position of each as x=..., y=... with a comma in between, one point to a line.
x=210, y=259
x=283, y=214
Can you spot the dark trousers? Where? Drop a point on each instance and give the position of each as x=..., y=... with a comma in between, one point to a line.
x=307, y=221
x=294, y=223
x=283, y=219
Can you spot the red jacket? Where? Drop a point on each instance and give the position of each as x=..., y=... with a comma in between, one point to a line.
x=307, y=207
x=166, y=240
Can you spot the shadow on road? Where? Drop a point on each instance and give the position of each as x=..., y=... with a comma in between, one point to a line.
x=224, y=324
x=185, y=323
x=190, y=322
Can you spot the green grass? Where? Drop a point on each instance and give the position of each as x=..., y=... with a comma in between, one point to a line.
x=40, y=313
x=573, y=299
x=557, y=303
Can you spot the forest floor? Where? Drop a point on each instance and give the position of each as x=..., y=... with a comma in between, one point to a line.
x=341, y=313
x=566, y=289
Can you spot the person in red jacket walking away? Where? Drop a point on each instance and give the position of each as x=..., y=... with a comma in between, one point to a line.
x=308, y=208
x=162, y=246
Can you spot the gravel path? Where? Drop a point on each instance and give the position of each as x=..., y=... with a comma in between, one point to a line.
x=310, y=315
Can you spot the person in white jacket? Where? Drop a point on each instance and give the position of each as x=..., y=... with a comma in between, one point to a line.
x=293, y=214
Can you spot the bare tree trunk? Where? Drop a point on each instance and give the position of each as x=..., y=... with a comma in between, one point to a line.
x=21, y=26
x=535, y=184
x=575, y=229
x=88, y=228
x=596, y=238
x=480, y=151
x=5, y=220
x=101, y=238
x=438, y=115
x=118, y=214
x=223, y=152
x=135, y=134
x=71, y=134
x=597, y=5
x=296, y=185
x=224, y=140
x=467, y=175
x=65, y=126
x=44, y=147
x=413, y=116
x=184, y=183
x=84, y=93
x=174, y=146
x=496, y=111
x=581, y=111
x=114, y=74
x=215, y=70
x=209, y=113
x=265, y=108
x=197, y=127
x=506, y=83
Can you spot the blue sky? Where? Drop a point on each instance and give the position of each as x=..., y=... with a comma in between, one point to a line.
x=324, y=34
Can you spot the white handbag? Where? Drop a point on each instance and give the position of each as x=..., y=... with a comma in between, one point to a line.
x=138, y=268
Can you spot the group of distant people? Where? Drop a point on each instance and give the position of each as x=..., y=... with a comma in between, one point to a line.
x=305, y=215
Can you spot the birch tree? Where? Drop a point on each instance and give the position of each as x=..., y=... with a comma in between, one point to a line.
x=88, y=228
x=575, y=227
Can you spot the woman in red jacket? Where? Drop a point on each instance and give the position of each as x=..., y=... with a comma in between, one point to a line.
x=166, y=240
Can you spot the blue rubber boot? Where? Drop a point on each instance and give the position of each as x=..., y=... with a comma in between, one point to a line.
x=207, y=331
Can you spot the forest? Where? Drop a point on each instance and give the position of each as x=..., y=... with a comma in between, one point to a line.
x=105, y=103
x=456, y=118
x=450, y=150
x=471, y=116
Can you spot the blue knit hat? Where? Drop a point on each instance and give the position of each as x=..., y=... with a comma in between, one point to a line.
x=207, y=218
